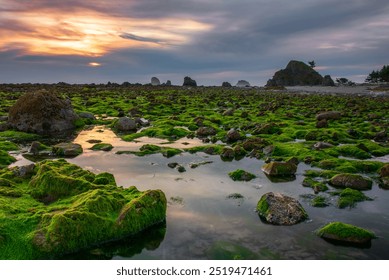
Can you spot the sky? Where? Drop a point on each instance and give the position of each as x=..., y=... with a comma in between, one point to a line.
x=50, y=41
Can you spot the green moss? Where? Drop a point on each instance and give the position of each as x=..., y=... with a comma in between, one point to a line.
x=352, y=151
x=349, y=197
x=345, y=231
x=262, y=206
x=102, y=147
x=18, y=137
x=315, y=185
x=241, y=175
x=319, y=201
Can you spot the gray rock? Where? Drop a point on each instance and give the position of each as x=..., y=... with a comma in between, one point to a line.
x=279, y=209
x=35, y=148
x=243, y=83
x=125, y=124
x=25, y=170
x=322, y=145
x=205, y=131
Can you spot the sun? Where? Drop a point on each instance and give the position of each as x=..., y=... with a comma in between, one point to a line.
x=94, y=64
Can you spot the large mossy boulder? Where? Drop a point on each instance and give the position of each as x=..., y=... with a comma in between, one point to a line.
x=296, y=73
x=83, y=209
x=279, y=209
x=279, y=169
x=43, y=113
x=352, y=181
x=345, y=233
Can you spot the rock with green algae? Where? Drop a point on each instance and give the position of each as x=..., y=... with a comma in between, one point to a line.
x=384, y=176
x=279, y=209
x=352, y=181
x=102, y=147
x=349, y=197
x=345, y=233
x=75, y=209
x=279, y=169
x=241, y=175
x=67, y=149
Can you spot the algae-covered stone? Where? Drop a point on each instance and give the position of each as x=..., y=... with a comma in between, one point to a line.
x=102, y=147
x=241, y=175
x=279, y=209
x=346, y=233
x=353, y=181
x=67, y=149
x=349, y=197
x=279, y=169
x=384, y=171
x=92, y=208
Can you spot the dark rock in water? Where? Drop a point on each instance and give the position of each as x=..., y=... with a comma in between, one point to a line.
x=67, y=150
x=126, y=124
x=279, y=169
x=296, y=73
x=233, y=135
x=155, y=81
x=241, y=175
x=226, y=84
x=102, y=147
x=43, y=113
x=189, y=82
x=172, y=164
x=243, y=83
x=346, y=233
x=352, y=181
x=279, y=209
x=227, y=154
x=330, y=115
x=181, y=169
x=328, y=81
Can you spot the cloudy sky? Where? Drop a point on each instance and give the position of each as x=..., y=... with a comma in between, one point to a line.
x=212, y=41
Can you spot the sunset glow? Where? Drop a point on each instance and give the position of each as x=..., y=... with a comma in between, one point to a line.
x=92, y=34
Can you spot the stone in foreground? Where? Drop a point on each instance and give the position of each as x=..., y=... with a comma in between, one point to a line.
x=345, y=233
x=279, y=209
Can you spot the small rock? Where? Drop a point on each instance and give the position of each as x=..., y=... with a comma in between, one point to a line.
x=233, y=135
x=279, y=209
x=87, y=115
x=172, y=164
x=67, y=149
x=330, y=115
x=126, y=124
x=322, y=123
x=205, y=131
x=322, y=145
x=279, y=169
x=352, y=181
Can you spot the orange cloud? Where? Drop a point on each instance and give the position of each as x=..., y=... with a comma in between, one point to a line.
x=87, y=33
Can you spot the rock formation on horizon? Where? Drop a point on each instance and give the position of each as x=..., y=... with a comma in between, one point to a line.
x=155, y=81
x=243, y=83
x=189, y=82
x=298, y=73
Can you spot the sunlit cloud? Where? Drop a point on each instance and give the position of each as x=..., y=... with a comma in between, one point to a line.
x=90, y=33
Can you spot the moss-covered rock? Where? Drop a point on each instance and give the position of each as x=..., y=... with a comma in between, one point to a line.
x=279, y=169
x=315, y=185
x=67, y=150
x=102, y=147
x=319, y=201
x=345, y=233
x=241, y=175
x=353, y=181
x=279, y=209
x=79, y=209
x=349, y=197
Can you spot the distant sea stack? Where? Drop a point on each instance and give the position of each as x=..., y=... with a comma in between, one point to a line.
x=155, y=81
x=243, y=83
x=189, y=82
x=298, y=73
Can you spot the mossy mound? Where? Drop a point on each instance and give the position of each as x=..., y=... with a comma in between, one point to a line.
x=64, y=209
x=345, y=233
x=102, y=147
x=319, y=201
x=353, y=181
x=315, y=185
x=67, y=150
x=349, y=197
x=241, y=175
x=149, y=149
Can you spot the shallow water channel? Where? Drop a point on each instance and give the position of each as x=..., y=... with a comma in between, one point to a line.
x=203, y=223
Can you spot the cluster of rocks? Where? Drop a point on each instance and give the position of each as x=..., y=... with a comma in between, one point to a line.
x=298, y=73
